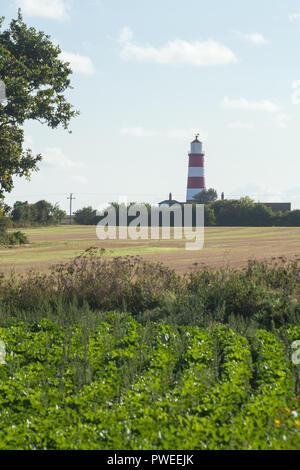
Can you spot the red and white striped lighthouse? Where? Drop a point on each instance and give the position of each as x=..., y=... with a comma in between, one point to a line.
x=196, y=179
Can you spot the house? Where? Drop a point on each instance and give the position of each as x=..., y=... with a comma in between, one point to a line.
x=169, y=202
x=278, y=206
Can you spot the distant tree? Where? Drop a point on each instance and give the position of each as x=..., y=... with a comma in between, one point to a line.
x=261, y=216
x=57, y=214
x=290, y=219
x=40, y=213
x=209, y=216
x=44, y=210
x=86, y=216
x=23, y=213
x=206, y=196
x=233, y=212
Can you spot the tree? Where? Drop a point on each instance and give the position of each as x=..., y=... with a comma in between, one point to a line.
x=41, y=213
x=86, y=216
x=290, y=219
x=261, y=216
x=35, y=79
x=233, y=212
x=23, y=213
x=209, y=216
x=206, y=196
x=57, y=214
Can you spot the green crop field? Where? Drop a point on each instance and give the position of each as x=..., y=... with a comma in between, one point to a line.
x=118, y=352
x=119, y=385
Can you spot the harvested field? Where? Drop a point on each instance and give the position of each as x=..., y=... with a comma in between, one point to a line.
x=223, y=246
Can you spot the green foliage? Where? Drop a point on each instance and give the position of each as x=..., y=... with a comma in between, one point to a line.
x=13, y=238
x=209, y=216
x=17, y=238
x=120, y=283
x=206, y=196
x=204, y=361
x=3, y=225
x=107, y=382
x=260, y=295
x=40, y=213
x=291, y=219
x=14, y=160
x=243, y=212
x=86, y=216
x=36, y=80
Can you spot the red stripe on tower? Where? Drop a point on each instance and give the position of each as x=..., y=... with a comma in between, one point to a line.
x=196, y=178
x=196, y=160
x=195, y=182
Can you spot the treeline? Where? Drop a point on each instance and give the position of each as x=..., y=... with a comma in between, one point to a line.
x=42, y=212
x=245, y=212
x=231, y=213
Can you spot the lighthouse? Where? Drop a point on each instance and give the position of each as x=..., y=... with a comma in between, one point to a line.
x=196, y=179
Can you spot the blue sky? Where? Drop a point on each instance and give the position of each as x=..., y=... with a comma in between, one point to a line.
x=148, y=74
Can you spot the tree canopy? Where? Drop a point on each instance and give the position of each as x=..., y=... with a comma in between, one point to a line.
x=40, y=213
x=206, y=196
x=35, y=81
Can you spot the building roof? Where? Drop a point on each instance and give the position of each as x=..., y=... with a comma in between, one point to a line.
x=278, y=206
x=196, y=139
x=168, y=202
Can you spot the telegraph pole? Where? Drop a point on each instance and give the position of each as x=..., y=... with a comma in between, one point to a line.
x=71, y=199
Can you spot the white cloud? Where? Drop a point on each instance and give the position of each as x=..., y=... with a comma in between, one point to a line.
x=255, y=38
x=54, y=157
x=205, y=53
x=137, y=132
x=126, y=34
x=239, y=125
x=79, y=64
x=54, y=9
x=243, y=103
x=294, y=16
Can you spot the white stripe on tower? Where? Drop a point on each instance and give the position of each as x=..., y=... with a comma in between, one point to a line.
x=196, y=178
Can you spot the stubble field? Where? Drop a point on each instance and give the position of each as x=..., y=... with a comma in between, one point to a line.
x=223, y=246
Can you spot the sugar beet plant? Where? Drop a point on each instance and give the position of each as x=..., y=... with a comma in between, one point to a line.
x=199, y=362
x=118, y=384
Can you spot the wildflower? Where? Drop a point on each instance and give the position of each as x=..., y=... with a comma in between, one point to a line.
x=288, y=410
x=297, y=423
x=276, y=421
x=295, y=414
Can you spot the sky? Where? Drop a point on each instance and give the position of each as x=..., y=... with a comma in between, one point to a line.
x=148, y=75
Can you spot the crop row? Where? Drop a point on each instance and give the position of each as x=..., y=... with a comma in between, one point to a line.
x=121, y=385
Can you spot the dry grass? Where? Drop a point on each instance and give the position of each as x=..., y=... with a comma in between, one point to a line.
x=223, y=246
